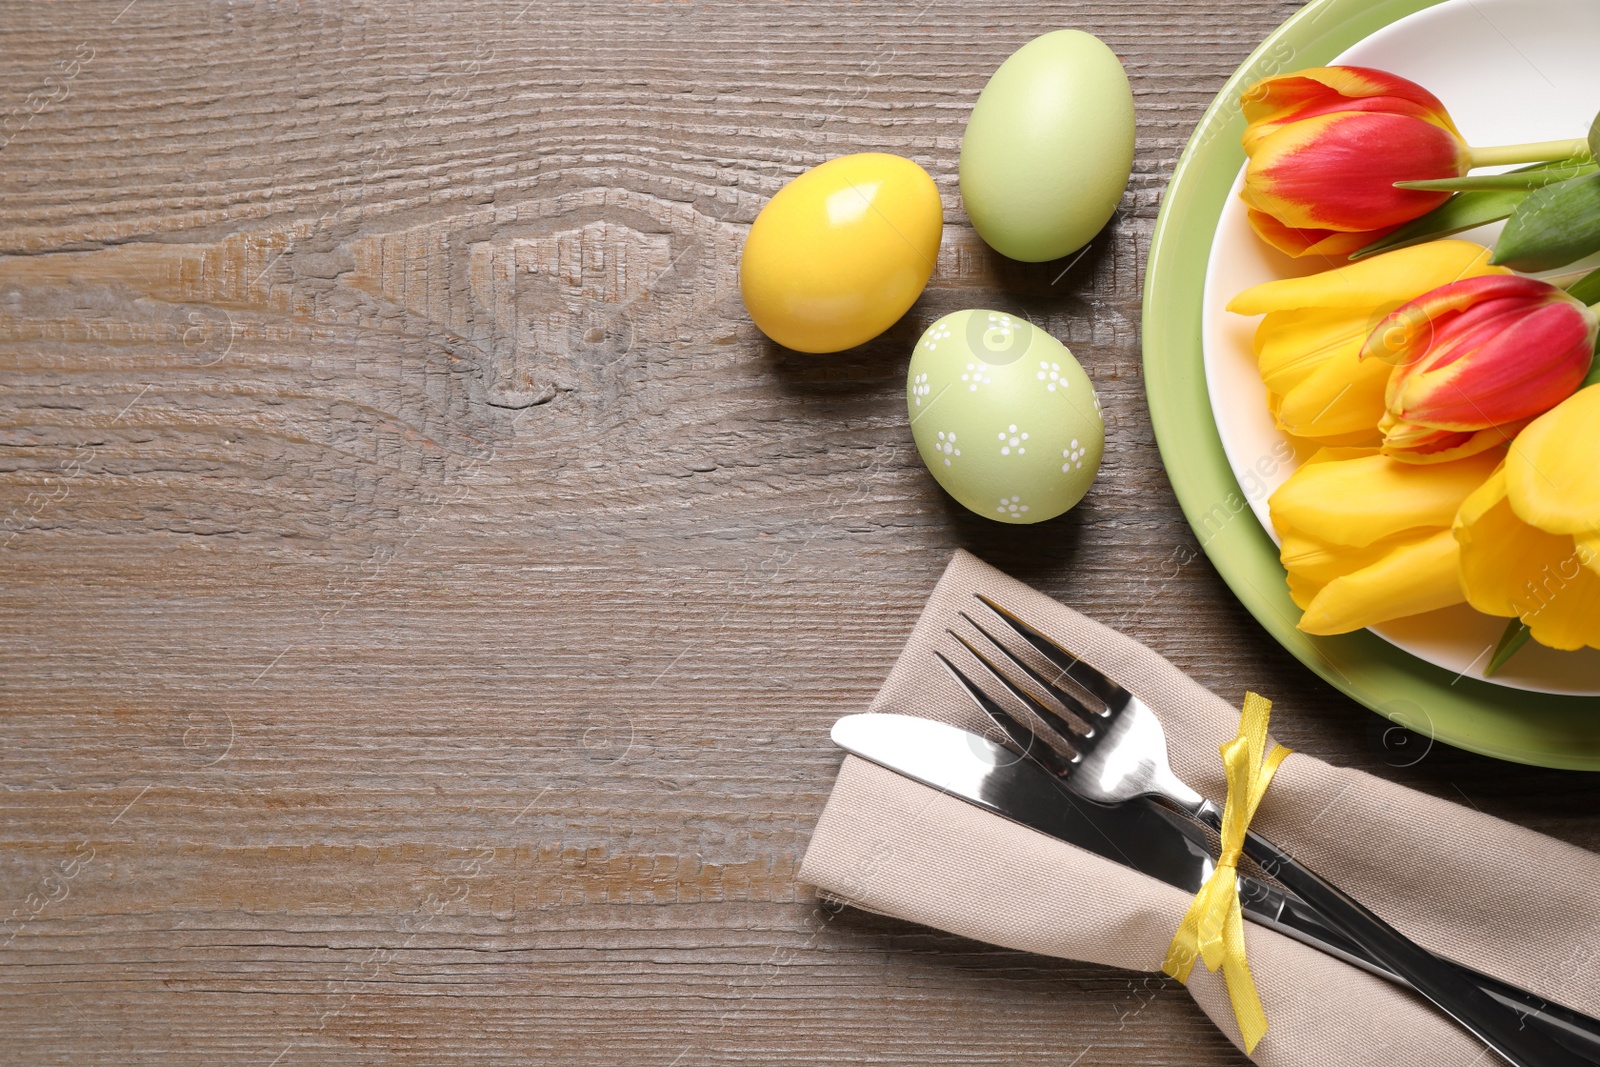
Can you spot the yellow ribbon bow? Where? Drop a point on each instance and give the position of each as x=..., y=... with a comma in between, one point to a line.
x=1213, y=927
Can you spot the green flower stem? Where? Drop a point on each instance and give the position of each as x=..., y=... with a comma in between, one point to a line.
x=1537, y=152
x=1515, y=636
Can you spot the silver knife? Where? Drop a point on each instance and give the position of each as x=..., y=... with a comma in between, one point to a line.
x=1142, y=835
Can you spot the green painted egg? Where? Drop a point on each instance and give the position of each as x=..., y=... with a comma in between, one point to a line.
x=1049, y=147
x=1003, y=416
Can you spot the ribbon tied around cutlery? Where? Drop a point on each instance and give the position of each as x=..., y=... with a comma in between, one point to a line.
x=1213, y=927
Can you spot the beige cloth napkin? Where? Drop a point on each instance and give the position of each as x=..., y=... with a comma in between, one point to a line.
x=1479, y=890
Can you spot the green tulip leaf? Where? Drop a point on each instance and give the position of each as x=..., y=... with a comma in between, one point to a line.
x=1515, y=636
x=1552, y=227
x=1516, y=179
x=1461, y=212
x=1586, y=288
x=1594, y=137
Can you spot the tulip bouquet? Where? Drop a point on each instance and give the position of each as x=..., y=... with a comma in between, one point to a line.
x=1456, y=402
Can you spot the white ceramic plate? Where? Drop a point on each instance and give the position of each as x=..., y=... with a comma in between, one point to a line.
x=1509, y=71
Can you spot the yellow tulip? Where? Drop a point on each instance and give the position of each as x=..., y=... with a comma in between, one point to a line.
x=1366, y=538
x=1530, y=535
x=1309, y=344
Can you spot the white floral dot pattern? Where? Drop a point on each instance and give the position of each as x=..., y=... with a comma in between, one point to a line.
x=1004, y=326
x=1012, y=507
x=1097, y=410
x=947, y=446
x=1011, y=440
x=1050, y=374
x=1073, y=454
x=975, y=376
x=920, y=388
x=936, y=333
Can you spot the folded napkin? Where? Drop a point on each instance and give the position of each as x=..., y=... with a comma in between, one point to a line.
x=1486, y=893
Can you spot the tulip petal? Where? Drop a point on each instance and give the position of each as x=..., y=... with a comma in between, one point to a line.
x=1327, y=145
x=1415, y=577
x=1589, y=551
x=1402, y=275
x=1312, y=563
x=1483, y=351
x=1357, y=497
x=1318, y=90
x=1410, y=442
x=1570, y=619
x=1484, y=526
x=1337, y=171
x=1553, y=470
x=1316, y=562
x=1341, y=397
x=1514, y=570
x=1291, y=346
x=1424, y=322
x=1498, y=373
x=1309, y=241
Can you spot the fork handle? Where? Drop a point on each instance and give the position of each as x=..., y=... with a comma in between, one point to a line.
x=1294, y=917
x=1451, y=990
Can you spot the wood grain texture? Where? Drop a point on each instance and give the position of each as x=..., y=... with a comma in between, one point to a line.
x=425, y=594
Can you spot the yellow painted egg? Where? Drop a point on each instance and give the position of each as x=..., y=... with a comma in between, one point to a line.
x=841, y=252
x=1049, y=147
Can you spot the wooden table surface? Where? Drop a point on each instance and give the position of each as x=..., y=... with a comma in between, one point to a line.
x=425, y=595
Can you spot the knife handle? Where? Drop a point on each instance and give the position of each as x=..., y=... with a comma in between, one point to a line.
x=1502, y=1028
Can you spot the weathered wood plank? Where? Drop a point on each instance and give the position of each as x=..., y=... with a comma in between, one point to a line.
x=424, y=593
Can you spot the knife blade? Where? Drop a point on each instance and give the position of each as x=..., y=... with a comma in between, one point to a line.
x=1141, y=835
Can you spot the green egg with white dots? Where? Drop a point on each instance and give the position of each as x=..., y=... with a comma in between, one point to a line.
x=1004, y=417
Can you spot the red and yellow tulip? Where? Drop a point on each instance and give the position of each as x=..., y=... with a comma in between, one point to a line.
x=1474, y=359
x=1310, y=339
x=1530, y=535
x=1326, y=146
x=1366, y=539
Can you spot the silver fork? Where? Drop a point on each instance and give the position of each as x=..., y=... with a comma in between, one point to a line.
x=1121, y=750
x=1118, y=753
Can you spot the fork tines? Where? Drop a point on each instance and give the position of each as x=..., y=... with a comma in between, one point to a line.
x=1092, y=681
x=1105, y=696
x=1008, y=677
x=1030, y=744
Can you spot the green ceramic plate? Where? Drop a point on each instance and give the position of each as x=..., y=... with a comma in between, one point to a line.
x=1550, y=731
